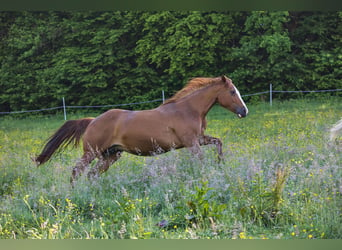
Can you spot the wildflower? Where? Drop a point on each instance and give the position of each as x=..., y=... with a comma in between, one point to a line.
x=293, y=233
x=310, y=236
x=242, y=235
x=54, y=229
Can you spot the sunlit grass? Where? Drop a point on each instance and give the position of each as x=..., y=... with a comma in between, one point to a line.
x=281, y=178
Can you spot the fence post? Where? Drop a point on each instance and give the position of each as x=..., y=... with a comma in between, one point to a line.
x=163, y=95
x=64, y=109
x=270, y=94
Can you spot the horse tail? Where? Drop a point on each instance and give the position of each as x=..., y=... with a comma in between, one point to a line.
x=335, y=130
x=70, y=131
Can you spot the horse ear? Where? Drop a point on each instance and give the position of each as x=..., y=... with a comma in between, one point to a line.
x=225, y=79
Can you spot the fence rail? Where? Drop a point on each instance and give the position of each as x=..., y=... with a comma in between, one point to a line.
x=64, y=107
x=80, y=107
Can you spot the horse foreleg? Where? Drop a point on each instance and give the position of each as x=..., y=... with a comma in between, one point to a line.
x=208, y=140
x=103, y=165
x=81, y=165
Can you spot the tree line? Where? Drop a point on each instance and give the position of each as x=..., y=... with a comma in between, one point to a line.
x=111, y=57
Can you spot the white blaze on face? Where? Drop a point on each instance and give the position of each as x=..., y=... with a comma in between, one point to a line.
x=243, y=103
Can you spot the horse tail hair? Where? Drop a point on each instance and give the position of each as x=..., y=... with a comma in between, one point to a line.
x=335, y=130
x=70, y=131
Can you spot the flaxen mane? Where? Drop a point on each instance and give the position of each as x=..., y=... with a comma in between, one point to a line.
x=193, y=85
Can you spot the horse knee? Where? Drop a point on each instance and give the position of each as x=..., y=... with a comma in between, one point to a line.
x=117, y=156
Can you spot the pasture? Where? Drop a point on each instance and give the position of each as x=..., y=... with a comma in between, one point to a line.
x=281, y=179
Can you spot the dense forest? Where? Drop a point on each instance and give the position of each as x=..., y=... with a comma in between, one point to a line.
x=98, y=58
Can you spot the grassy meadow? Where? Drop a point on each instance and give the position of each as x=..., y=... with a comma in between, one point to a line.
x=281, y=179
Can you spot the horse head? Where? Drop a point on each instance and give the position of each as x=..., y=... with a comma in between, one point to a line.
x=231, y=99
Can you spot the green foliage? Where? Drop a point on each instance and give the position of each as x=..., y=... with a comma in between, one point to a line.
x=203, y=206
x=264, y=201
x=265, y=50
x=113, y=57
x=186, y=44
x=317, y=45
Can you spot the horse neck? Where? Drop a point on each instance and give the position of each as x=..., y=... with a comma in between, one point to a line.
x=202, y=100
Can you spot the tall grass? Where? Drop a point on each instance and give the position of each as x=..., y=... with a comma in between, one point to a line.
x=281, y=178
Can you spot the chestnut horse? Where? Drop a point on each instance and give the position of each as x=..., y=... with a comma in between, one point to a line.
x=177, y=123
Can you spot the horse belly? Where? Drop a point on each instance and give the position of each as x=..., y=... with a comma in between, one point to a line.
x=150, y=142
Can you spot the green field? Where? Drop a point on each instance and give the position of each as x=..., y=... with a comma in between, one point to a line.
x=281, y=179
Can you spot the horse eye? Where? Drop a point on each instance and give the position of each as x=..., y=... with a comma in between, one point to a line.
x=233, y=92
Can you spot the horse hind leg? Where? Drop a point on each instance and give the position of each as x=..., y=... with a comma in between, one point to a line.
x=81, y=165
x=103, y=164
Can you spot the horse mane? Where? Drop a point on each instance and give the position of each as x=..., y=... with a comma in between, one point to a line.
x=193, y=85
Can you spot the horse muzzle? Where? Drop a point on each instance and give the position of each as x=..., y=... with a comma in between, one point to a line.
x=242, y=112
